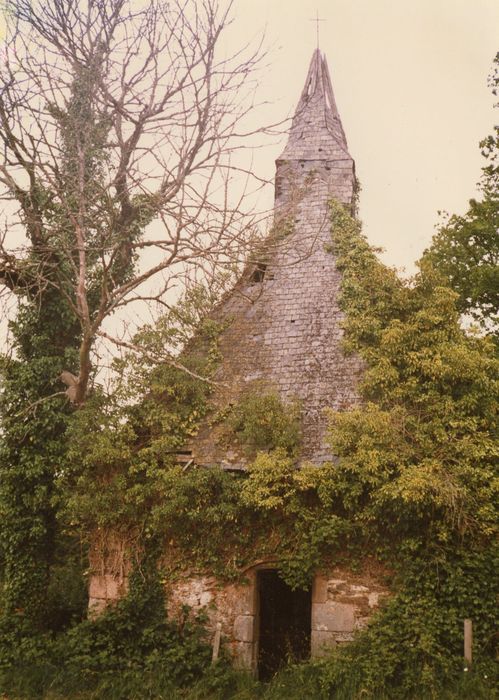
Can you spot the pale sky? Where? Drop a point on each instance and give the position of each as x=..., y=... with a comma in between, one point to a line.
x=410, y=81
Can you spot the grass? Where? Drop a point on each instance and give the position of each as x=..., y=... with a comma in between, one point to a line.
x=300, y=682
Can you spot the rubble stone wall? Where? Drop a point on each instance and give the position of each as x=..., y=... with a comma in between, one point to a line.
x=109, y=569
x=342, y=603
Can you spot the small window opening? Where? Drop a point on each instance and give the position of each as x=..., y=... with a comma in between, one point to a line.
x=293, y=320
x=183, y=456
x=278, y=186
x=258, y=273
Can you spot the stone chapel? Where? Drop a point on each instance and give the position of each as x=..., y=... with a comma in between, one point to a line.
x=285, y=330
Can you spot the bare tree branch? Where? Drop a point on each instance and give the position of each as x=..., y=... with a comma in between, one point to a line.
x=119, y=122
x=156, y=358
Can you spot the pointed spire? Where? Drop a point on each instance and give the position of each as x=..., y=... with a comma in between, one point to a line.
x=316, y=130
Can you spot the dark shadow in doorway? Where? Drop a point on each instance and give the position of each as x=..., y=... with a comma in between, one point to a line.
x=284, y=624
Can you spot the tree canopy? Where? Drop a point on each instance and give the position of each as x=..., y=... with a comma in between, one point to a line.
x=466, y=248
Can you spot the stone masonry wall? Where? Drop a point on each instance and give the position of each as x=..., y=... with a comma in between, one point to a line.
x=285, y=330
x=342, y=603
x=110, y=565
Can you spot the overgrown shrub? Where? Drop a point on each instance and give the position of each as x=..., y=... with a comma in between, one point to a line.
x=413, y=484
x=260, y=421
x=116, y=655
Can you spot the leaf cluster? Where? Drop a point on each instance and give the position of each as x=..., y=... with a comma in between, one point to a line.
x=260, y=421
x=418, y=456
x=122, y=445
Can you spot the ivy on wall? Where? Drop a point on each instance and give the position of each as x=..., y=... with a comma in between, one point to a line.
x=32, y=450
x=412, y=482
x=416, y=470
x=260, y=422
x=413, y=462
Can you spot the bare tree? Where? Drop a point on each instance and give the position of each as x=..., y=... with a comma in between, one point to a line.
x=119, y=121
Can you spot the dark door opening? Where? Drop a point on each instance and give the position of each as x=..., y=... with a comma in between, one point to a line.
x=284, y=624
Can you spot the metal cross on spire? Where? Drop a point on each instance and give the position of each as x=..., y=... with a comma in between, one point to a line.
x=317, y=19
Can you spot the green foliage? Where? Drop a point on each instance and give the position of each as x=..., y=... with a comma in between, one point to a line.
x=417, y=641
x=274, y=510
x=465, y=251
x=32, y=450
x=123, y=446
x=274, y=480
x=260, y=421
x=419, y=456
x=67, y=591
x=416, y=472
x=242, y=517
x=121, y=472
x=293, y=516
x=134, y=634
x=128, y=648
x=204, y=501
x=370, y=293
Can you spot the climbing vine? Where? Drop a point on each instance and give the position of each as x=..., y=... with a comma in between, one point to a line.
x=32, y=450
x=413, y=476
x=46, y=340
x=412, y=482
x=124, y=444
x=46, y=336
x=416, y=470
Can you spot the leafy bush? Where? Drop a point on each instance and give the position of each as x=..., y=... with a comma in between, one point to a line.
x=130, y=646
x=260, y=421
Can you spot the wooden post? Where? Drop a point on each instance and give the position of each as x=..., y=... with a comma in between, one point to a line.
x=216, y=642
x=468, y=641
